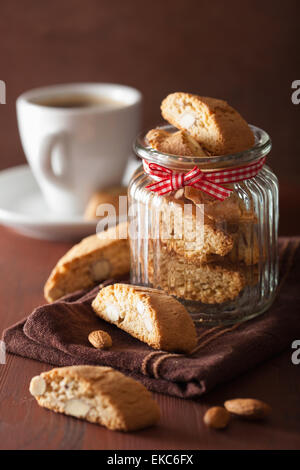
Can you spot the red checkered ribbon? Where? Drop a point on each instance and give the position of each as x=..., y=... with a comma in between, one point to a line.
x=166, y=180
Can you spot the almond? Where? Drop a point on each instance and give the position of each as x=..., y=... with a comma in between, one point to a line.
x=76, y=407
x=216, y=417
x=100, y=339
x=248, y=408
x=37, y=386
x=187, y=120
x=113, y=312
x=145, y=316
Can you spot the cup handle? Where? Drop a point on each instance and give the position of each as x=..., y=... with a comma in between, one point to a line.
x=45, y=159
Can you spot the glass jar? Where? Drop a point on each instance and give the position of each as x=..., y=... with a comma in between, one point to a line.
x=219, y=258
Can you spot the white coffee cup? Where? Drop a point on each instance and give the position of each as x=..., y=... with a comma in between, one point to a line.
x=76, y=149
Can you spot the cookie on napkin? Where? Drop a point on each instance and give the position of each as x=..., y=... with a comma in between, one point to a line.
x=148, y=314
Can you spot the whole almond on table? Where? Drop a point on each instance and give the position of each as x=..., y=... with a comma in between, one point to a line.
x=217, y=417
x=100, y=339
x=248, y=408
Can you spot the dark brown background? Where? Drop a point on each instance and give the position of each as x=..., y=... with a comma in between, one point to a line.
x=244, y=51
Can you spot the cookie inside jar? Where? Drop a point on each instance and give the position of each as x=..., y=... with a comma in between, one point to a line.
x=209, y=221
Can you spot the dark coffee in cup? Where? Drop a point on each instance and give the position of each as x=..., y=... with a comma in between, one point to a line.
x=77, y=101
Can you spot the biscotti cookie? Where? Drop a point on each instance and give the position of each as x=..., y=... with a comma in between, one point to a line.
x=100, y=395
x=212, y=122
x=228, y=210
x=235, y=220
x=149, y=315
x=207, y=245
x=108, y=196
x=251, y=274
x=177, y=143
x=231, y=210
x=245, y=251
x=191, y=234
x=246, y=246
x=208, y=283
x=95, y=258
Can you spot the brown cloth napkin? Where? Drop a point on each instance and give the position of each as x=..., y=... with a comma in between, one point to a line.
x=57, y=334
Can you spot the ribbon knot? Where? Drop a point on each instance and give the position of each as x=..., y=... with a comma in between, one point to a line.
x=166, y=180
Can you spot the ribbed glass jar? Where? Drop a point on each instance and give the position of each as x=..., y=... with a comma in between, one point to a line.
x=219, y=258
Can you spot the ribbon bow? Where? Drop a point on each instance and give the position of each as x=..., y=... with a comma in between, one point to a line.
x=166, y=180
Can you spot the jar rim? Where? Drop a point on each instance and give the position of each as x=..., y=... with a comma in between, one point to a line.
x=260, y=149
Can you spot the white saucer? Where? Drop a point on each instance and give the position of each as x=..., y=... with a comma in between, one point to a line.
x=22, y=207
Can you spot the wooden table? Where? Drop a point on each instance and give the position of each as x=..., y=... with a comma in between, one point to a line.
x=24, y=266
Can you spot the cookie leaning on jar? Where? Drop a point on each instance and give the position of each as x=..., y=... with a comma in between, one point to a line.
x=96, y=258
